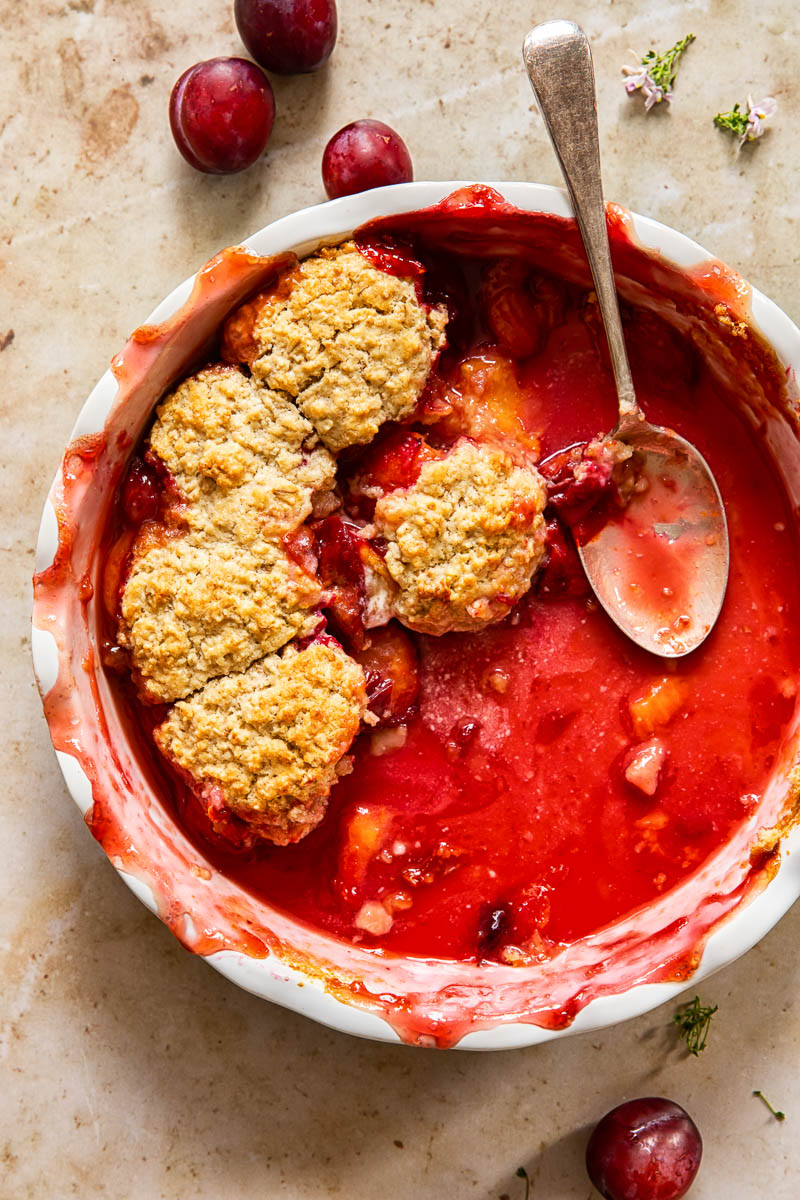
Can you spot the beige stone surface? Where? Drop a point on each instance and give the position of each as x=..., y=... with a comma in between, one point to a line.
x=129, y=1068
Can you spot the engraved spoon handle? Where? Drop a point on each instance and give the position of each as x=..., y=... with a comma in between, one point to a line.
x=559, y=65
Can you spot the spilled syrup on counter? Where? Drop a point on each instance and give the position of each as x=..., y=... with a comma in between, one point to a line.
x=524, y=874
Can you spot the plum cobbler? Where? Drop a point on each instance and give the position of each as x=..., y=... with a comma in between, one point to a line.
x=355, y=639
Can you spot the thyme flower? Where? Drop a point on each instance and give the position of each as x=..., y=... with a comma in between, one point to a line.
x=654, y=75
x=749, y=124
x=639, y=77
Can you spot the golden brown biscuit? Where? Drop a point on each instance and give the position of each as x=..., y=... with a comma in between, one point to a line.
x=464, y=540
x=267, y=744
x=193, y=608
x=352, y=344
x=239, y=453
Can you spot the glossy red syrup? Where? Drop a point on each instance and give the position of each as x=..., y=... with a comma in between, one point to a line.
x=523, y=874
x=509, y=792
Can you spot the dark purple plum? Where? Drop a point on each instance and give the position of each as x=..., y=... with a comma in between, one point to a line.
x=363, y=155
x=647, y=1149
x=221, y=114
x=289, y=37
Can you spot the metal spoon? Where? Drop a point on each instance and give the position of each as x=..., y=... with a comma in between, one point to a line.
x=659, y=568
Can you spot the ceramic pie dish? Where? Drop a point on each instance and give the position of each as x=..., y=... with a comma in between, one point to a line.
x=704, y=885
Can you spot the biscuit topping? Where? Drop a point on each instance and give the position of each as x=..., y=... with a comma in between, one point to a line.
x=464, y=540
x=266, y=744
x=350, y=343
x=248, y=469
x=232, y=445
x=225, y=573
x=194, y=608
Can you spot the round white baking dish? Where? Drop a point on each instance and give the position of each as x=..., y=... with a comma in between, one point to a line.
x=269, y=977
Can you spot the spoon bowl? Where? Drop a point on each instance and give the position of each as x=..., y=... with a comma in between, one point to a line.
x=658, y=565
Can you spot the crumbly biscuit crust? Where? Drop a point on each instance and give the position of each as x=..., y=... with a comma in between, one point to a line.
x=239, y=453
x=195, y=608
x=464, y=540
x=249, y=470
x=349, y=342
x=267, y=742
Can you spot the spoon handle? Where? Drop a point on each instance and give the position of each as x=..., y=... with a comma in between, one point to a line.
x=559, y=65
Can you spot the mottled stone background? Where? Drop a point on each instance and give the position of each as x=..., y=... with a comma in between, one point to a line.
x=129, y=1068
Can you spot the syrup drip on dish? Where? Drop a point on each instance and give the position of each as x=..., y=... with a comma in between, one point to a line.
x=532, y=727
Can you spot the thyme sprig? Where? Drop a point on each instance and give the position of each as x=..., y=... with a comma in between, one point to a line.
x=655, y=73
x=748, y=124
x=662, y=68
x=693, y=1021
x=735, y=120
